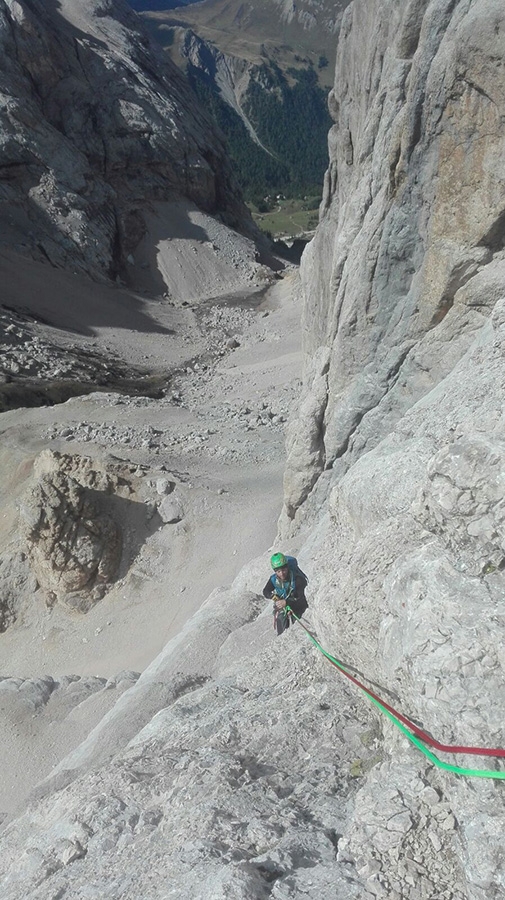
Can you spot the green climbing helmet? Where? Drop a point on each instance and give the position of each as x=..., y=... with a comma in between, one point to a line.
x=278, y=560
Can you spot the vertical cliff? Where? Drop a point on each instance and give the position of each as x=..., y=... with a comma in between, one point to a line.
x=412, y=221
x=396, y=459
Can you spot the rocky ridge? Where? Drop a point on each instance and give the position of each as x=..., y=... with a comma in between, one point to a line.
x=96, y=125
x=271, y=29
x=231, y=74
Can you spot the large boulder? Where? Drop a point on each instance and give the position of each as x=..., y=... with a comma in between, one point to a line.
x=80, y=518
x=73, y=546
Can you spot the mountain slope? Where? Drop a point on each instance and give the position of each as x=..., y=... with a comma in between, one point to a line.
x=270, y=65
x=276, y=131
x=282, y=31
x=95, y=124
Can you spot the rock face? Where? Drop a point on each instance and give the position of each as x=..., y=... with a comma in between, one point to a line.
x=462, y=501
x=238, y=767
x=249, y=797
x=15, y=579
x=396, y=467
x=407, y=261
x=95, y=124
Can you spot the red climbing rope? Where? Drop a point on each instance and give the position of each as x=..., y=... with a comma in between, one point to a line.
x=445, y=748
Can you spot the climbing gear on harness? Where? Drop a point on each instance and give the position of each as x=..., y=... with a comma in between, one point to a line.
x=284, y=589
x=282, y=619
x=422, y=737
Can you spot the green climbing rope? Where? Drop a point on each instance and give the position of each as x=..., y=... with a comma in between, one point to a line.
x=448, y=767
x=458, y=770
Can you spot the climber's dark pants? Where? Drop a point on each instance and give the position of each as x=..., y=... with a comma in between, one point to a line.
x=281, y=620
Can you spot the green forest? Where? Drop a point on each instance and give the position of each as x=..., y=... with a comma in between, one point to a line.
x=292, y=122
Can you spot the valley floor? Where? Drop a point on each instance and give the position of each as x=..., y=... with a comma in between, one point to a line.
x=229, y=371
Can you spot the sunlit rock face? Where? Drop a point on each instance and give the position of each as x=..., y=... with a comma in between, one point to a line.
x=407, y=259
x=95, y=123
x=395, y=471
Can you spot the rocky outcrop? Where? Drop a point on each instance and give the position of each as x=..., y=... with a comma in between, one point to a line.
x=96, y=124
x=72, y=520
x=72, y=547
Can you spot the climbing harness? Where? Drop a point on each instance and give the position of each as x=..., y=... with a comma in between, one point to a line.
x=285, y=612
x=419, y=737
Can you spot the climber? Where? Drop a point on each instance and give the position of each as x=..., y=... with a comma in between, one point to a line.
x=286, y=587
